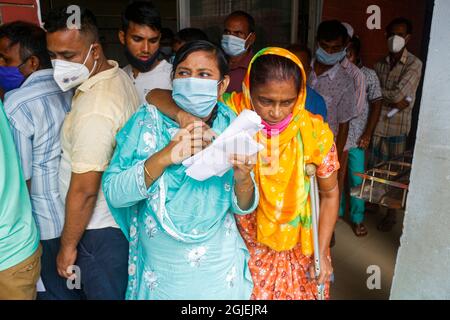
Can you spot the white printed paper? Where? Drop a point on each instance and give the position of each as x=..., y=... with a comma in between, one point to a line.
x=236, y=139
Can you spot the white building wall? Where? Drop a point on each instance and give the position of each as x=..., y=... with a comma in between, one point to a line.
x=423, y=262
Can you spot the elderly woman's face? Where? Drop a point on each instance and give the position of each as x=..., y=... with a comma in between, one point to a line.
x=275, y=100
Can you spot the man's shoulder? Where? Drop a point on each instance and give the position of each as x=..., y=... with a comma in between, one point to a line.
x=36, y=93
x=117, y=91
x=127, y=68
x=413, y=61
x=381, y=63
x=163, y=67
x=112, y=86
x=369, y=73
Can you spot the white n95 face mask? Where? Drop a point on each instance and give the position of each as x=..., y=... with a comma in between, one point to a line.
x=71, y=74
x=396, y=44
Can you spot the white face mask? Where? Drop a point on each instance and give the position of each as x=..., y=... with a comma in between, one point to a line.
x=71, y=74
x=396, y=44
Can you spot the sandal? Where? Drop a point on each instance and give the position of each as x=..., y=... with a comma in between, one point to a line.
x=359, y=229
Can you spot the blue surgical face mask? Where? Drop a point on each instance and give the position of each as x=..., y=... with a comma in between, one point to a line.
x=11, y=78
x=233, y=46
x=330, y=59
x=196, y=96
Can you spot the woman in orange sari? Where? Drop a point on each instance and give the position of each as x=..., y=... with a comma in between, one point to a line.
x=279, y=233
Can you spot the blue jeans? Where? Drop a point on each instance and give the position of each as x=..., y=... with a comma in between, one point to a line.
x=103, y=262
x=56, y=286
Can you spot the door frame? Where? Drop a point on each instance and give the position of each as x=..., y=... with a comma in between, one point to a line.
x=315, y=18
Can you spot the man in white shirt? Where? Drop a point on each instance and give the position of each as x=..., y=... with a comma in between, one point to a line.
x=140, y=36
x=104, y=100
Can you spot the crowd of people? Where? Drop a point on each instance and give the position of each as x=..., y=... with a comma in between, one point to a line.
x=91, y=154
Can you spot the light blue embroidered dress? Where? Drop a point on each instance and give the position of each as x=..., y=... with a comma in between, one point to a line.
x=184, y=243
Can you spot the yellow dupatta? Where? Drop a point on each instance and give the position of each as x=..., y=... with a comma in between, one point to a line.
x=283, y=215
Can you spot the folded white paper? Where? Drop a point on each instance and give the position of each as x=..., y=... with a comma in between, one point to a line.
x=236, y=139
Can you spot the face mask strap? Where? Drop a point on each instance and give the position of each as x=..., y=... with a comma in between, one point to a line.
x=246, y=48
x=95, y=61
x=89, y=53
x=92, y=71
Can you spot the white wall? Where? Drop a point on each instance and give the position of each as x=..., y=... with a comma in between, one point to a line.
x=423, y=262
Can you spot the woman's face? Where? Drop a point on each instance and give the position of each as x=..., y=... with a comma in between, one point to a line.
x=202, y=65
x=275, y=100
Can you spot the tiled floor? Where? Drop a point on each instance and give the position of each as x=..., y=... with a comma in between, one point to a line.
x=352, y=256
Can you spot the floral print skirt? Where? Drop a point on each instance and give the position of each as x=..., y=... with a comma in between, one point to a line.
x=277, y=275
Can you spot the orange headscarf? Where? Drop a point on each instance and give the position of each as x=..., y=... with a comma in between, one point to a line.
x=283, y=215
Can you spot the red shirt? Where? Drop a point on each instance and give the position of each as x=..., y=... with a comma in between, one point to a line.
x=237, y=73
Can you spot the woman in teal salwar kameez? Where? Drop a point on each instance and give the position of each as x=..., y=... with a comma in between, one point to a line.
x=184, y=243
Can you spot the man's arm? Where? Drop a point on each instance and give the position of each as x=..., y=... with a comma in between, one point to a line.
x=341, y=138
x=406, y=86
x=162, y=99
x=374, y=117
x=80, y=203
x=401, y=105
x=360, y=91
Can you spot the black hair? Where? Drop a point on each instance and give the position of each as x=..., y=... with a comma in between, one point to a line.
x=141, y=13
x=201, y=45
x=167, y=36
x=274, y=68
x=190, y=34
x=356, y=45
x=398, y=21
x=242, y=14
x=59, y=18
x=300, y=48
x=31, y=40
x=331, y=30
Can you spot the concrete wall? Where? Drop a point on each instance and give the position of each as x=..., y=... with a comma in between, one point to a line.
x=423, y=262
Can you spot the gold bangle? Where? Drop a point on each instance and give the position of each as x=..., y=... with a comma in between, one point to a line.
x=331, y=190
x=147, y=173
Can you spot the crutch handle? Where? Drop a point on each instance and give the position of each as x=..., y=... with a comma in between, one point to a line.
x=311, y=170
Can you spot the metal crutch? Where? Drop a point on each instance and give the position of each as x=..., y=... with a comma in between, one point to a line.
x=315, y=213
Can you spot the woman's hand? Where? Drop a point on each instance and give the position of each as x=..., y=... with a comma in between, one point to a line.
x=244, y=186
x=326, y=270
x=187, y=142
x=184, y=119
x=243, y=165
